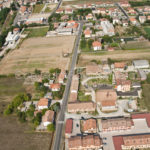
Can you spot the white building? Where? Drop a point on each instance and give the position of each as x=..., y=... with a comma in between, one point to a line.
x=12, y=38
x=108, y=28
x=139, y=64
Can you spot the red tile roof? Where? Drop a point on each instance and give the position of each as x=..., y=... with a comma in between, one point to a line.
x=69, y=124
x=142, y=116
x=118, y=141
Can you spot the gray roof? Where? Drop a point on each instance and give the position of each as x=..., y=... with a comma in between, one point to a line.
x=141, y=63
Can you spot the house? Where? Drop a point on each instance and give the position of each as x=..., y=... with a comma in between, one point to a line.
x=136, y=141
x=23, y=9
x=142, y=19
x=119, y=66
x=59, y=11
x=74, y=84
x=142, y=75
x=65, y=17
x=37, y=20
x=123, y=85
x=106, y=99
x=89, y=126
x=55, y=87
x=92, y=69
x=12, y=38
x=107, y=27
x=148, y=17
x=43, y=103
x=120, y=75
x=16, y=30
x=89, y=16
x=97, y=45
x=81, y=107
x=68, y=127
x=68, y=11
x=116, y=124
x=116, y=20
x=139, y=64
x=133, y=20
x=61, y=76
x=87, y=33
x=132, y=141
x=85, y=142
x=125, y=23
x=48, y=118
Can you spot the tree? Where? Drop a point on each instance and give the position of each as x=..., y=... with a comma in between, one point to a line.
x=90, y=41
x=37, y=72
x=37, y=119
x=51, y=27
x=148, y=78
x=55, y=107
x=51, y=127
x=83, y=44
x=8, y=110
x=107, y=39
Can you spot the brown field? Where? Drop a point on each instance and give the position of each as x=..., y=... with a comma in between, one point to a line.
x=41, y=53
x=17, y=136
x=117, y=55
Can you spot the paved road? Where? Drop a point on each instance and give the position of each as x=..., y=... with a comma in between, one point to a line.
x=61, y=117
x=117, y=4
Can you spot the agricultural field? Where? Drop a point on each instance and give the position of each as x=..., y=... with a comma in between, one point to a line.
x=37, y=8
x=40, y=53
x=117, y=55
x=134, y=45
x=36, y=32
x=18, y=136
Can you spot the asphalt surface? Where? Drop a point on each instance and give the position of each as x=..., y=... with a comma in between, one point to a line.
x=61, y=116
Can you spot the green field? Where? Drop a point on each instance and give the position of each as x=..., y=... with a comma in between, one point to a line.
x=145, y=101
x=147, y=30
x=36, y=32
x=47, y=10
x=37, y=8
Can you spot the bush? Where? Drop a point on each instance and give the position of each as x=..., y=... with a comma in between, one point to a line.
x=51, y=127
x=22, y=116
x=8, y=110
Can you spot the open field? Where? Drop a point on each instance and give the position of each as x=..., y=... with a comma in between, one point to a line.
x=37, y=8
x=13, y=134
x=36, y=32
x=145, y=102
x=49, y=8
x=118, y=54
x=136, y=45
x=17, y=136
x=41, y=53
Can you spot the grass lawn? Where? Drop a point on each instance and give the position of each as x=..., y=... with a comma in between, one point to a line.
x=37, y=8
x=47, y=10
x=145, y=102
x=147, y=30
x=36, y=32
x=83, y=98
